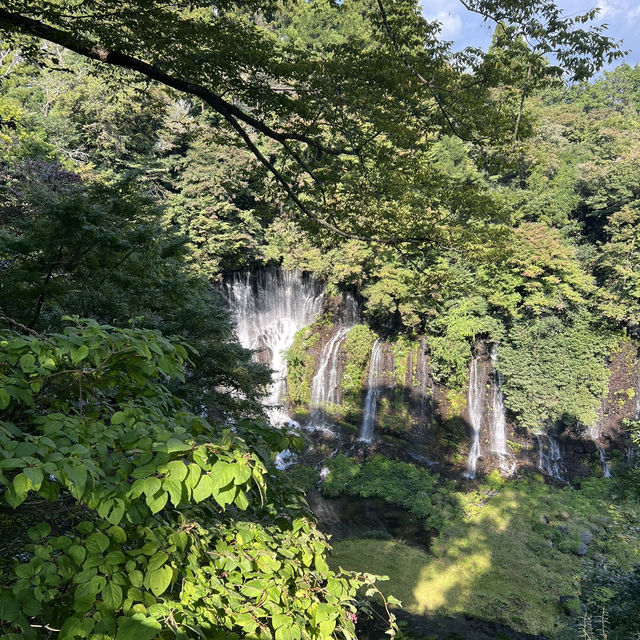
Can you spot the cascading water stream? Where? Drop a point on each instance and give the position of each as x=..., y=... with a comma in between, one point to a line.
x=373, y=392
x=498, y=423
x=595, y=433
x=325, y=385
x=269, y=307
x=550, y=458
x=474, y=411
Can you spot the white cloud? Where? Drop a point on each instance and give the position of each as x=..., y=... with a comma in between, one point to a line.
x=634, y=14
x=451, y=23
x=606, y=10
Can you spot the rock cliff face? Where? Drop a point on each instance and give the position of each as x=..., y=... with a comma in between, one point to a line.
x=334, y=375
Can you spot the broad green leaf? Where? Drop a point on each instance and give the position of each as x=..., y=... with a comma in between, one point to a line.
x=177, y=470
x=97, y=542
x=5, y=399
x=159, y=580
x=112, y=596
x=77, y=554
x=27, y=363
x=158, y=502
x=203, y=490
x=156, y=561
x=36, y=476
x=173, y=445
x=137, y=627
x=78, y=354
x=174, y=488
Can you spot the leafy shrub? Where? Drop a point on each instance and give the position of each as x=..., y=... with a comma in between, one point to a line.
x=406, y=485
x=158, y=523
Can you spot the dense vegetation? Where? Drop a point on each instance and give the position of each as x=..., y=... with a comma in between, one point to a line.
x=458, y=195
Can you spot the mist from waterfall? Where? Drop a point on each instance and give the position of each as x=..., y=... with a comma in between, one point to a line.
x=269, y=307
x=498, y=422
x=474, y=412
x=550, y=456
x=373, y=392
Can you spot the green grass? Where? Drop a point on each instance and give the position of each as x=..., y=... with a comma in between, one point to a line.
x=496, y=563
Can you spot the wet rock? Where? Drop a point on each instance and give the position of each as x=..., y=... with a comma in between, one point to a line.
x=550, y=544
x=563, y=515
x=581, y=549
x=544, y=520
x=563, y=528
x=598, y=558
x=586, y=536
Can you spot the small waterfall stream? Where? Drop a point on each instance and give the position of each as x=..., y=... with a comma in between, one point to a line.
x=498, y=422
x=550, y=457
x=474, y=411
x=373, y=392
x=269, y=307
x=325, y=385
x=595, y=433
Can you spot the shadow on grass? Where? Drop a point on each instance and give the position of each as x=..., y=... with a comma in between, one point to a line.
x=510, y=559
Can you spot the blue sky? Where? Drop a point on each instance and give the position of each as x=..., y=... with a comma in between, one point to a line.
x=464, y=28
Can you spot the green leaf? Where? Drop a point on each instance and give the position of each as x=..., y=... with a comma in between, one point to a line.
x=77, y=554
x=71, y=629
x=112, y=596
x=281, y=620
x=159, y=580
x=9, y=610
x=5, y=399
x=78, y=354
x=151, y=486
x=21, y=485
x=173, y=445
x=223, y=473
x=36, y=476
x=138, y=627
x=242, y=473
x=27, y=363
x=174, y=488
x=156, y=561
x=135, y=577
x=241, y=500
x=203, y=490
x=115, y=557
x=118, y=417
x=177, y=470
x=97, y=543
x=158, y=502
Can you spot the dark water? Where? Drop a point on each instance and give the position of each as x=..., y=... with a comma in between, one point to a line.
x=348, y=517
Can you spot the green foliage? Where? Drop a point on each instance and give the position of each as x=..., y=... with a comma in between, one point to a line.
x=357, y=351
x=454, y=334
x=539, y=387
x=160, y=522
x=406, y=485
x=301, y=364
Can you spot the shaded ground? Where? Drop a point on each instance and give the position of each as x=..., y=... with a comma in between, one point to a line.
x=352, y=517
x=448, y=628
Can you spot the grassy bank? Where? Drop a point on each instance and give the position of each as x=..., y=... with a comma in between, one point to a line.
x=511, y=558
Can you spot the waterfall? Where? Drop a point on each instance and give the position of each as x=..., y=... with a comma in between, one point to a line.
x=269, y=307
x=373, y=392
x=325, y=385
x=422, y=373
x=498, y=423
x=595, y=433
x=474, y=411
x=550, y=459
